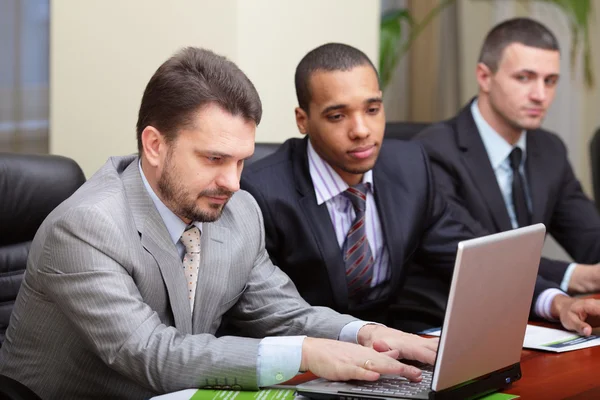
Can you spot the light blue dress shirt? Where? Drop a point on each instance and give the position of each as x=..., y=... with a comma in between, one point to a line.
x=279, y=357
x=498, y=151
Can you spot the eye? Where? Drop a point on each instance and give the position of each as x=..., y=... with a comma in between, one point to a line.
x=551, y=81
x=335, y=117
x=214, y=159
x=522, y=78
x=372, y=110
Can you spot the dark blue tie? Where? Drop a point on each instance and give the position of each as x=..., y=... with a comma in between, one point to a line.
x=357, y=253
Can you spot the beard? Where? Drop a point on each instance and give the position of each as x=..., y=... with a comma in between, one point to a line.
x=183, y=203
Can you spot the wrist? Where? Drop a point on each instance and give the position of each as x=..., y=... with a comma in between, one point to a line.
x=365, y=334
x=559, y=303
x=306, y=343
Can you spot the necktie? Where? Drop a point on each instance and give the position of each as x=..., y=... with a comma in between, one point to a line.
x=358, y=258
x=191, y=260
x=518, y=189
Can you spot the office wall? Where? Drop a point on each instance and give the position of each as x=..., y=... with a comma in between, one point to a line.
x=103, y=52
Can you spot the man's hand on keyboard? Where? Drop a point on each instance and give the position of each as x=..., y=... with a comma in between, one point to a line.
x=411, y=347
x=342, y=361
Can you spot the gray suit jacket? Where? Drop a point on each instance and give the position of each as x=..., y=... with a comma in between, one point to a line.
x=103, y=310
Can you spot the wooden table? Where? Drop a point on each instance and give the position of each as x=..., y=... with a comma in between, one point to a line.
x=571, y=375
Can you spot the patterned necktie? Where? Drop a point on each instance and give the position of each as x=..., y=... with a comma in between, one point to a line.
x=358, y=258
x=518, y=189
x=191, y=260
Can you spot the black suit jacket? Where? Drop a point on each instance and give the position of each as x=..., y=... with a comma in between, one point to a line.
x=463, y=172
x=418, y=225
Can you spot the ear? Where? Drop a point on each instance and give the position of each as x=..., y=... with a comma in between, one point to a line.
x=484, y=76
x=153, y=145
x=301, y=120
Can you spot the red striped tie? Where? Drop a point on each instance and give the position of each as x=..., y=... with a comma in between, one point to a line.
x=357, y=253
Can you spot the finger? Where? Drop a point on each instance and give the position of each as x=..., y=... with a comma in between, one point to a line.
x=395, y=354
x=425, y=355
x=590, y=307
x=358, y=372
x=381, y=346
x=396, y=368
x=423, y=350
x=575, y=323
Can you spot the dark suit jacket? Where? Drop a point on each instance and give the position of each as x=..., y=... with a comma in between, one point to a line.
x=462, y=170
x=418, y=225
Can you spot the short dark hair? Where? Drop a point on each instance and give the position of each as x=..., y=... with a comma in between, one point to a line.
x=190, y=79
x=328, y=57
x=525, y=31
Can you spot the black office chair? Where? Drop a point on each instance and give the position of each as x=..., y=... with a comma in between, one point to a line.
x=14, y=390
x=31, y=187
x=262, y=150
x=595, y=165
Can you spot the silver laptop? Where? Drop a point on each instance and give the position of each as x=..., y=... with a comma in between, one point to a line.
x=484, y=325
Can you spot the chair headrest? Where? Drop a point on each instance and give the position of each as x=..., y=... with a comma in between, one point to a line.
x=32, y=186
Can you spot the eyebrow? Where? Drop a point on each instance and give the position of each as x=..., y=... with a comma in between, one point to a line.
x=531, y=72
x=334, y=107
x=213, y=153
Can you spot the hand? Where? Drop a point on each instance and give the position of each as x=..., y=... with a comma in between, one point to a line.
x=342, y=361
x=578, y=315
x=585, y=279
x=409, y=346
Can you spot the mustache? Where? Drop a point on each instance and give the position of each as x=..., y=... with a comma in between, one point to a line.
x=216, y=193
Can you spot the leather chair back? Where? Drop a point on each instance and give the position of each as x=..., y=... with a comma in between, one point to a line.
x=30, y=187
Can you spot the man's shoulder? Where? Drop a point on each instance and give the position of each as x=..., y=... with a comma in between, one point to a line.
x=392, y=148
x=275, y=170
x=443, y=133
x=400, y=156
x=282, y=157
x=103, y=192
x=548, y=140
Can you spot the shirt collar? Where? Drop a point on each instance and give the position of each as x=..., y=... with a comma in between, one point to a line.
x=497, y=148
x=327, y=183
x=174, y=224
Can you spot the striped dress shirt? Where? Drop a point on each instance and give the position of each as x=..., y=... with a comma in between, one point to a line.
x=329, y=188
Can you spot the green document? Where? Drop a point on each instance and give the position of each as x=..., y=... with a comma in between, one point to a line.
x=500, y=396
x=266, y=394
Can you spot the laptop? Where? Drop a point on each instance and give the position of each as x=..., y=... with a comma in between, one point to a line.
x=484, y=325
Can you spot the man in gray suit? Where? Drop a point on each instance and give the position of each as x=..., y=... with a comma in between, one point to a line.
x=128, y=280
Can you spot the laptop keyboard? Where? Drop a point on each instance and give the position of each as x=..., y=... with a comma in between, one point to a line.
x=389, y=385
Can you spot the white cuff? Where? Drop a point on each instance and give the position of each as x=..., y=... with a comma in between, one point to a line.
x=349, y=332
x=543, y=305
x=564, y=285
x=279, y=359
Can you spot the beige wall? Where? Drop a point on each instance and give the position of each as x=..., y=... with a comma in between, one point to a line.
x=104, y=51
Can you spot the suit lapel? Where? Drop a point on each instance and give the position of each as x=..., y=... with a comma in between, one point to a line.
x=215, y=261
x=320, y=223
x=478, y=164
x=156, y=240
x=389, y=199
x=535, y=168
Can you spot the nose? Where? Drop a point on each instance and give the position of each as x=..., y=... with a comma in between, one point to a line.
x=229, y=178
x=359, y=129
x=539, y=91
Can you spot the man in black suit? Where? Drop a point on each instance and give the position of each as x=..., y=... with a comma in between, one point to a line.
x=474, y=155
x=346, y=211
